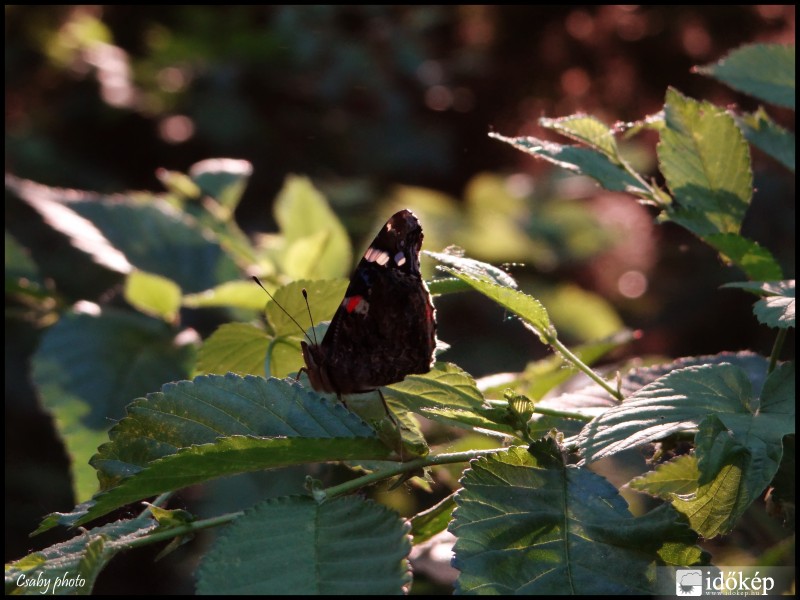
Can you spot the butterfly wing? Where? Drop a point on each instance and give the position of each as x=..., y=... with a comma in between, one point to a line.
x=385, y=327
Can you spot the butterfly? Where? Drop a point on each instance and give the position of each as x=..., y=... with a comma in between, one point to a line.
x=385, y=326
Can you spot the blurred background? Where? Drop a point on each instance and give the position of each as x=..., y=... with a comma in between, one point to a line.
x=383, y=107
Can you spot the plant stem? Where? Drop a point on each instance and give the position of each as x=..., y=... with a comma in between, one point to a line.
x=556, y=343
x=776, y=350
x=173, y=532
x=410, y=466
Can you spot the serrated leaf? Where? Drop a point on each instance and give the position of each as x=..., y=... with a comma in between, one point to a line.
x=678, y=476
x=528, y=524
x=224, y=179
x=75, y=564
x=236, y=347
x=777, y=310
x=228, y=456
x=706, y=163
x=303, y=214
x=474, y=268
x=679, y=401
x=756, y=261
x=187, y=413
x=87, y=368
x=293, y=545
x=525, y=307
x=738, y=440
x=764, y=133
x=588, y=130
x=237, y=294
x=153, y=295
x=777, y=306
x=765, y=71
x=446, y=394
x=583, y=161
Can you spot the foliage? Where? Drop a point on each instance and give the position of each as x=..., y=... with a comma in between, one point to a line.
x=529, y=515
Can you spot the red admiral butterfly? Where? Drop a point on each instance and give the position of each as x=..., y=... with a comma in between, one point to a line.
x=385, y=327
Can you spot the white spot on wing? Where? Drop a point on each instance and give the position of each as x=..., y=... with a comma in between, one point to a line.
x=374, y=255
x=400, y=259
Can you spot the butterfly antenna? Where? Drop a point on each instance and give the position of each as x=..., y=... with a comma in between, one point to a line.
x=310, y=318
x=314, y=341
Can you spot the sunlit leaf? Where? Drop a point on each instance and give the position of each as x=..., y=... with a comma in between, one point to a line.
x=706, y=162
x=153, y=294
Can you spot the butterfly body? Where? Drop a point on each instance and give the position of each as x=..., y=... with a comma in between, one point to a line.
x=385, y=327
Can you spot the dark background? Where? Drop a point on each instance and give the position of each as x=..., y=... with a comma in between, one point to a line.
x=361, y=99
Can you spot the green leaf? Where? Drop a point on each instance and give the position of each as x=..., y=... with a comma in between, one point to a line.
x=224, y=179
x=237, y=294
x=781, y=502
x=739, y=438
x=586, y=129
x=293, y=546
x=317, y=245
x=446, y=394
x=528, y=524
x=87, y=368
x=428, y=523
x=765, y=71
x=706, y=162
x=474, y=268
x=229, y=456
x=776, y=308
x=679, y=401
x=324, y=297
x=21, y=270
x=192, y=431
x=678, y=476
x=153, y=295
x=187, y=413
x=72, y=567
x=525, y=307
x=582, y=161
x=764, y=133
x=236, y=347
x=756, y=261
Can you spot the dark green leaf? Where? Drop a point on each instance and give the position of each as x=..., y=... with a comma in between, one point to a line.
x=75, y=564
x=528, y=524
x=88, y=368
x=764, y=133
x=765, y=71
x=345, y=546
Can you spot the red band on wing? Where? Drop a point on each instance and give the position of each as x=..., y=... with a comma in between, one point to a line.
x=352, y=303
